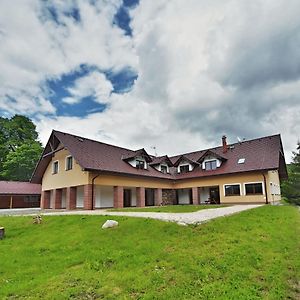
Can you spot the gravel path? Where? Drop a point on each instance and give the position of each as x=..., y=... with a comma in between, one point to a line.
x=180, y=218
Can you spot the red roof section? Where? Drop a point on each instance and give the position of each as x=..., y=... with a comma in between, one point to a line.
x=19, y=188
x=259, y=154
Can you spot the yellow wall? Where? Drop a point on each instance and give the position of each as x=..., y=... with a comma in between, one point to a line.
x=273, y=177
x=63, y=178
x=111, y=180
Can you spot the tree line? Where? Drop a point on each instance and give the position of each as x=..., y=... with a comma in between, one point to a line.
x=20, y=148
x=291, y=187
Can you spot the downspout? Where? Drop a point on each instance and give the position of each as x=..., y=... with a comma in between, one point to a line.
x=266, y=192
x=93, y=181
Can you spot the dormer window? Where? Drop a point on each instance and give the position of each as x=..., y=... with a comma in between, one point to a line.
x=140, y=164
x=184, y=169
x=211, y=165
x=164, y=169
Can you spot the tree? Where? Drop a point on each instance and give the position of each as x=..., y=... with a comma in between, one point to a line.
x=291, y=188
x=19, y=148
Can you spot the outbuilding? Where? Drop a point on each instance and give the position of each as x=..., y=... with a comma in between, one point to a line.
x=16, y=194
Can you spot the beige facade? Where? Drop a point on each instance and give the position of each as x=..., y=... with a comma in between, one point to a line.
x=63, y=178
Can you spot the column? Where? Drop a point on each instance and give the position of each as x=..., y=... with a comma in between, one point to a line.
x=57, y=198
x=87, y=196
x=118, y=197
x=45, y=200
x=140, y=197
x=71, y=198
x=158, y=197
x=195, y=195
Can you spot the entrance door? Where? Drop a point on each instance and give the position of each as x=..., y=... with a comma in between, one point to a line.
x=214, y=195
x=149, y=197
x=127, y=198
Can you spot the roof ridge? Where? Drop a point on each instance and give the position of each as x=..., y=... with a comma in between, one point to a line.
x=95, y=141
x=215, y=148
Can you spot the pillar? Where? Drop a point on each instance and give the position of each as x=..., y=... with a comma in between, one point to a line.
x=158, y=197
x=57, y=198
x=45, y=200
x=140, y=197
x=71, y=198
x=118, y=197
x=87, y=196
x=195, y=195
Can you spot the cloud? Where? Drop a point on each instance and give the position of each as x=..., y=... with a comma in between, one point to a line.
x=204, y=69
x=93, y=85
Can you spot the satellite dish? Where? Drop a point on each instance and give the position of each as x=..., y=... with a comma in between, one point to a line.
x=239, y=139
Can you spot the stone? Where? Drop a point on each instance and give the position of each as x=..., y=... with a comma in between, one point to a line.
x=181, y=223
x=110, y=224
x=37, y=219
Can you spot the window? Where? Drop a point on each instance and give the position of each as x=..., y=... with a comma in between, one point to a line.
x=69, y=163
x=232, y=190
x=184, y=169
x=140, y=164
x=254, y=188
x=31, y=199
x=55, y=167
x=211, y=165
x=164, y=169
x=241, y=161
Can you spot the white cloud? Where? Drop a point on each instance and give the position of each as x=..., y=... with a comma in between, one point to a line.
x=205, y=68
x=94, y=84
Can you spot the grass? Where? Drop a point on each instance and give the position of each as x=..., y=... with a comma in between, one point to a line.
x=168, y=208
x=251, y=255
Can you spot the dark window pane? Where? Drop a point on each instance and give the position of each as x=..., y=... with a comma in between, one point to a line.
x=211, y=165
x=164, y=169
x=140, y=164
x=69, y=163
x=254, y=189
x=232, y=190
x=184, y=169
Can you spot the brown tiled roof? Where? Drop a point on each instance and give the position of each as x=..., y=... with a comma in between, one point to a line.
x=260, y=154
x=19, y=188
x=161, y=159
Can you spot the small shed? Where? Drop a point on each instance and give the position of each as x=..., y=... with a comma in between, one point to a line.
x=17, y=194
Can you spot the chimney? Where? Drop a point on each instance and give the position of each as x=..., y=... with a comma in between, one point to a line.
x=224, y=143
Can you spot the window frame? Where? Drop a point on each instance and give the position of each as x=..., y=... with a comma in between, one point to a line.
x=166, y=168
x=184, y=165
x=139, y=163
x=66, y=163
x=210, y=162
x=53, y=168
x=232, y=184
x=254, y=194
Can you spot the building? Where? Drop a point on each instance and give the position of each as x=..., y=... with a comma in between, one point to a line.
x=15, y=194
x=76, y=172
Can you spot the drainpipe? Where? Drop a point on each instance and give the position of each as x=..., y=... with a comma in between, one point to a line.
x=265, y=184
x=93, y=181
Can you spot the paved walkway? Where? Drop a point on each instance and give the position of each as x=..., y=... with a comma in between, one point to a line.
x=181, y=218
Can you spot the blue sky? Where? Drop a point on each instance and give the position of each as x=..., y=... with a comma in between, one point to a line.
x=147, y=73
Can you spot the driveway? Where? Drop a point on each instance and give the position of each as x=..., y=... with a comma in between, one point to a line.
x=181, y=218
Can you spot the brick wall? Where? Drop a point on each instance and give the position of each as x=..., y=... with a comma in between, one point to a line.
x=168, y=197
x=18, y=202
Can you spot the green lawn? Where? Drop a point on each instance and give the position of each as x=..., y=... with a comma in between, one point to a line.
x=168, y=208
x=251, y=255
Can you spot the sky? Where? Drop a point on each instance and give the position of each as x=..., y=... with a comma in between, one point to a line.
x=171, y=74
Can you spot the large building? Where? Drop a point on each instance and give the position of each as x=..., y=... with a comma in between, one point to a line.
x=76, y=172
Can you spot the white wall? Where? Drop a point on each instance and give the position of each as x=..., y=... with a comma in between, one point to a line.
x=104, y=196
x=204, y=194
x=183, y=196
x=79, y=197
x=63, y=198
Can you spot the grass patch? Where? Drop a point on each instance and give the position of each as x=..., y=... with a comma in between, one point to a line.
x=168, y=208
x=251, y=255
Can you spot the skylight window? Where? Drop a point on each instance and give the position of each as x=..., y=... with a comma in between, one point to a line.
x=241, y=161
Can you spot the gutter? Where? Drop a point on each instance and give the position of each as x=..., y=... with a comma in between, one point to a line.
x=93, y=182
x=265, y=184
